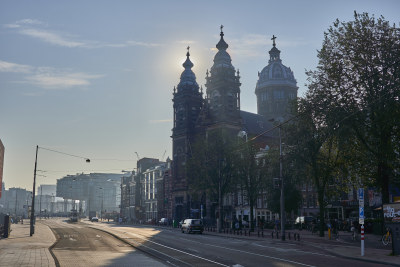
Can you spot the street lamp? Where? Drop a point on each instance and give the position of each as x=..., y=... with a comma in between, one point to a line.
x=283, y=218
x=282, y=186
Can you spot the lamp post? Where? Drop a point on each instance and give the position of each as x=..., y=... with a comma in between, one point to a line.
x=32, y=227
x=282, y=184
x=102, y=198
x=282, y=200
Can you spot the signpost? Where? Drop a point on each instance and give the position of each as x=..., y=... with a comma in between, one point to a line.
x=361, y=216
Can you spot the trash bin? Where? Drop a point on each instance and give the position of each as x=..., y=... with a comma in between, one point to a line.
x=7, y=226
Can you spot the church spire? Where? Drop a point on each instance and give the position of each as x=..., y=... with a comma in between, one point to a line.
x=187, y=64
x=188, y=78
x=222, y=45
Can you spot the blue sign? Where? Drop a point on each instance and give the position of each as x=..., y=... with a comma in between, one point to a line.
x=361, y=193
x=361, y=212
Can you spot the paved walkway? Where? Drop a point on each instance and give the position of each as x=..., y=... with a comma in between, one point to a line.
x=21, y=249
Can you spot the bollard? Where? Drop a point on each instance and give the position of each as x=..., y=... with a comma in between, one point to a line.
x=262, y=233
x=272, y=235
x=258, y=233
x=241, y=232
x=249, y=232
x=277, y=235
x=289, y=235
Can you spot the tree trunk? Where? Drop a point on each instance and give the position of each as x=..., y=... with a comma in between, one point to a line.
x=251, y=216
x=321, y=213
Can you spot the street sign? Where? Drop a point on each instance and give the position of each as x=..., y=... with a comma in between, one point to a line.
x=361, y=216
x=360, y=193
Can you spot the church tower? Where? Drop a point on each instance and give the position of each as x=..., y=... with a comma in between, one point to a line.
x=223, y=90
x=187, y=103
x=276, y=87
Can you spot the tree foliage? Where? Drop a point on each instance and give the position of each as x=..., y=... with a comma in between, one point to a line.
x=355, y=91
x=251, y=169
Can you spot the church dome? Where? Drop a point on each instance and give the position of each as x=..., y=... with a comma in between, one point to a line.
x=188, y=78
x=275, y=73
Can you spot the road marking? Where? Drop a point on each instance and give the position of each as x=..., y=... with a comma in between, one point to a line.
x=293, y=250
x=256, y=254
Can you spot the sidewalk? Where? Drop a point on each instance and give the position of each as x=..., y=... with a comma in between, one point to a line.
x=21, y=249
x=374, y=251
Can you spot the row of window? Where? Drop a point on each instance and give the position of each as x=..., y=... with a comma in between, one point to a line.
x=277, y=94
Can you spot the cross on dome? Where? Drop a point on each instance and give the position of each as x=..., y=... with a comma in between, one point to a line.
x=273, y=40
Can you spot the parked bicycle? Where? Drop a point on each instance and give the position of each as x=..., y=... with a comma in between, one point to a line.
x=387, y=237
x=354, y=234
x=335, y=233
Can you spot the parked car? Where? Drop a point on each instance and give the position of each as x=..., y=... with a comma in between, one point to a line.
x=94, y=219
x=304, y=221
x=192, y=226
x=163, y=221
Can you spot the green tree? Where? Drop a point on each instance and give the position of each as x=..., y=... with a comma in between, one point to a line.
x=315, y=150
x=251, y=169
x=358, y=78
x=210, y=167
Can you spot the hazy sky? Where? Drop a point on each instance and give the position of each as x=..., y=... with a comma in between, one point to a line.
x=95, y=78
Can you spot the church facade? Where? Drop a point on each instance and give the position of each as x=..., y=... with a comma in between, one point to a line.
x=197, y=112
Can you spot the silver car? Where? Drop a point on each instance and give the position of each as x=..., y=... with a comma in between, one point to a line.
x=192, y=226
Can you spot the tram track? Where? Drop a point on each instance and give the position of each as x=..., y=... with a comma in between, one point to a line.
x=167, y=254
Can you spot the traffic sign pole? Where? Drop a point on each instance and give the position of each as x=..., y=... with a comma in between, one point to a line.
x=361, y=216
x=362, y=240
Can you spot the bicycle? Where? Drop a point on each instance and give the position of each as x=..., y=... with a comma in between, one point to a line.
x=354, y=235
x=387, y=237
x=335, y=233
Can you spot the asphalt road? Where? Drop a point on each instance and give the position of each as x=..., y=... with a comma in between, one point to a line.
x=175, y=248
x=79, y=245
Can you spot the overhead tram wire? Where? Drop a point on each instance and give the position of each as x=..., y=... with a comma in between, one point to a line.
x=59, y=152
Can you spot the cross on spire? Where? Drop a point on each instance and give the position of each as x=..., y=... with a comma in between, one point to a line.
x=188, y=54
x=273, y=40
x=222, y=26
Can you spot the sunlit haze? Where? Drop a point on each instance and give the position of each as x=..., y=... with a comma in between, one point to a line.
x=95, y=78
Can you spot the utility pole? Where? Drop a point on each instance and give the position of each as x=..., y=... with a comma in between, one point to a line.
x=32, y=227
x=282, y=200
x=40, y=201
x=16, y=201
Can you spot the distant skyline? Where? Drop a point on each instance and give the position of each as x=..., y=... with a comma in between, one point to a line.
x=95, y=78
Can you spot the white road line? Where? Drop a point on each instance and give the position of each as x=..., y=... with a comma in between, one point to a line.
x=293, y=250
x=256, y=254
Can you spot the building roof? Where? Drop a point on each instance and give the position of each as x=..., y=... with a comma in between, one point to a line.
x=255, y=124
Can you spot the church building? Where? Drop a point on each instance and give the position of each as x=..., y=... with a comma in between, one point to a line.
x=218, y=107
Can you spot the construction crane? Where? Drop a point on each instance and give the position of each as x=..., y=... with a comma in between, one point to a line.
x=137, y=155
x=163, y=156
